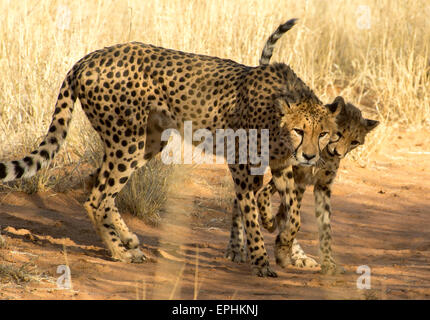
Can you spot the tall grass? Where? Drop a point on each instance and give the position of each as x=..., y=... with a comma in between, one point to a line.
x=384, y=69
x=147, y=191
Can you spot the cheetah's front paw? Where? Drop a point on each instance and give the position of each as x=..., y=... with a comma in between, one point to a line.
x=129, y=256
x=283, y=256
x=237, y=255
x=270, y=225
x=131, y=241
x=137, y=256
x=330, y=268
x=305, y=262
x=264, y=271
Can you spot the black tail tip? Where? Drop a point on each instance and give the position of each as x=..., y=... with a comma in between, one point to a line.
x=289, y=24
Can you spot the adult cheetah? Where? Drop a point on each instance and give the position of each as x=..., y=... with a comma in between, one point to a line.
x=132, y=92
x=352, y=130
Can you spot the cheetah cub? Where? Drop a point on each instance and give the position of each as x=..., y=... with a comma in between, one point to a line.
x=352, y=129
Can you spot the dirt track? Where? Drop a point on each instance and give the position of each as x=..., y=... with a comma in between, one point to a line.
x=381, y=218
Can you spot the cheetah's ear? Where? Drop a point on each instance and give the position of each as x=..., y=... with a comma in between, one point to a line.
x=370, y=124
x=282, y=106
x=336, y=106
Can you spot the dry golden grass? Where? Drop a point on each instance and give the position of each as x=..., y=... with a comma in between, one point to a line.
x=384, y=69
x=3, y=243
x=146, y=192
x=11, y=273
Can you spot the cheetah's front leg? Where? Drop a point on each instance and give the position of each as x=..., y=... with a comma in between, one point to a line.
x=236, y=250
x=289, y=219
x=323, y=213
x=264, y=201
x=298, y=256
x=244, y=187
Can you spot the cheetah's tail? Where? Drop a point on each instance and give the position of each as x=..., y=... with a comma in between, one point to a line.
x=270, y=44
x=48, y=148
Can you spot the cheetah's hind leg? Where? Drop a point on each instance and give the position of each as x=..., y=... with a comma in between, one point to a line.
x=100, y=206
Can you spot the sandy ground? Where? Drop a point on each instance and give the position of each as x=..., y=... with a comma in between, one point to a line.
x=381, y=218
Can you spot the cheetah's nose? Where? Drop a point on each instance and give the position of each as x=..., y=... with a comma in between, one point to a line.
x=307, y=157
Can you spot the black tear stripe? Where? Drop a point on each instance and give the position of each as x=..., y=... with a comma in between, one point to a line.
x=295, y=151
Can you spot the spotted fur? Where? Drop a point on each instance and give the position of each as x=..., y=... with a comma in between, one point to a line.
x=132, y=92
x=352, y=129
x=310, y=138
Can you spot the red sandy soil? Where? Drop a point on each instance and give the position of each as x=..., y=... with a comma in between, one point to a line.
x=381, y=218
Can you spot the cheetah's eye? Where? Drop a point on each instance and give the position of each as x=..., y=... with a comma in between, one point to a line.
x=323, y=134
x=355, y=143
x=299, y=131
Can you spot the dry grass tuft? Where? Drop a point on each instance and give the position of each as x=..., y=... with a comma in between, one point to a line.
x=3, y=243
x=146, y=192
x=224, y=193
x=27, y=272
